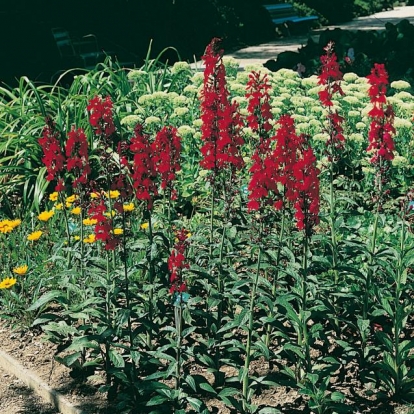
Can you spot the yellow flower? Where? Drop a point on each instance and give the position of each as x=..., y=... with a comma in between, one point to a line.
x=90, y=239
x=114, y=194
x=109, y=213
x=68, y=205
x=76, y=211
x=90, y=222
x=21, y=270
x=72, y=198
x=94, y=195
x=45, y=215
x=15, y=223
x=59, y=206
x=76, y=238
x=7, y=283
x=144, y=226
x=54, y=196
x=35, y=235
x=117, y=232
x=6, y=226
x=189, y=235
x=129, y=207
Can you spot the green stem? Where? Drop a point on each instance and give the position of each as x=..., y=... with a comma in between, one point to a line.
x=65, y=216
x=126, y=278
x=178, y=311
x=398, y=312
x=275, y=278
x=334, y=247
x=212, y=223
x=109, y=319
x=303, y=339
x=246, y=400
x=150, y=280
x=368, y=280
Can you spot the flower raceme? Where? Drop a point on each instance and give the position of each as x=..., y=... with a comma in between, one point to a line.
x=261, y=181
x=77, y=156
x=330, y=76
x=257, y=93
x=307, y=189
x=220, y=120
x=381, y=130
x=100, y=116
x=53, y=156
x=166, y=150
x=177, y=262
x=104, y=225
x=274, y=167
x=144, y=171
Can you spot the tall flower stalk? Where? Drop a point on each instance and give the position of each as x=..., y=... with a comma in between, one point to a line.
x=307, y=217
x=220, y=133
x=330, y=78
x=144, y=176
x=177, y=263
x=166, y=151
x=381, y=147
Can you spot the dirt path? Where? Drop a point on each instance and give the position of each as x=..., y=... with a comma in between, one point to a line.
x=17, y=398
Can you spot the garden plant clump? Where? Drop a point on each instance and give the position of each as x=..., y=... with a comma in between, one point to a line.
x=204, y=239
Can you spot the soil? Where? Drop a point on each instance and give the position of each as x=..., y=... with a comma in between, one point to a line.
x=35, y=354
x=16, y=398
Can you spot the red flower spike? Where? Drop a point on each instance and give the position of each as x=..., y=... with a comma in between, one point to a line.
x=330, y=76
x=77, y=156
x=144, y=172
x=307, y=189
x=100, y=116
x=381, y=129
x=273, y=167
x=259, y=107
x=53, y=156
x=220, y=130
x=104, y=226
x=166, y=150
x=177, y=262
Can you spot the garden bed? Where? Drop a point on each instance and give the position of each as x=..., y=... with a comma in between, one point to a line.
x=36, y=355
x=253, y=256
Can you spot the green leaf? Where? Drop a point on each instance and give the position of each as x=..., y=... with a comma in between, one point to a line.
x=69, y=360
x=337, y=396
x=157, y=400
x=54, y=295
x=195, y=403
x=295, y=349
x=191, y=382
x=207, y=387
x=116, y=359
x=363, y=325
x=206, y=360
x=228, y=392
x=313, y=378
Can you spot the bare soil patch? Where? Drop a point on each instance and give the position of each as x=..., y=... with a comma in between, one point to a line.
x=37, y=355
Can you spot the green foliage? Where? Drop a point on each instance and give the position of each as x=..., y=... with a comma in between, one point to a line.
x=267, y=306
